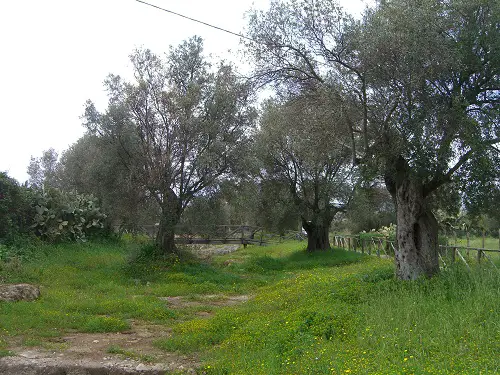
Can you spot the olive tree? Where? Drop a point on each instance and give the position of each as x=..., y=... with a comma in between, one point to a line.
x=186, y=123
x=99, y=166
x=423, y=75
x=302, y=143
x=43, y=171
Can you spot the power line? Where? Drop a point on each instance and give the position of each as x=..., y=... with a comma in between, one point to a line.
x=218, y=28
x=198, y=21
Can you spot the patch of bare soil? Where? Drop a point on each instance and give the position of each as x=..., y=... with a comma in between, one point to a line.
x=80, y=353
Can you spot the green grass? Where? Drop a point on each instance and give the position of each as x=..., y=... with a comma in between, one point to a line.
x=477, y=242
x=3, y=349
x=331, y=312
x=95, y=288
x=5, y=353
x=355, y=319
x=489, y=242
x=84, y=288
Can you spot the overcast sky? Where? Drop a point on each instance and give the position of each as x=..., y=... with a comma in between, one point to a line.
x=55, y=55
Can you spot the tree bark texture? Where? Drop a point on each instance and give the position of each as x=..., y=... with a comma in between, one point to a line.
x=317, y=233
x=170, y=216
x=417, y=228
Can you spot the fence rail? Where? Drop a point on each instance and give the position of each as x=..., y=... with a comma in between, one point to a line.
x=383, y=247
x=226, y=234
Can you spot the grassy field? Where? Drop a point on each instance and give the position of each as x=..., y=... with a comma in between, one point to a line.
x=489, y=242
x=332, y=312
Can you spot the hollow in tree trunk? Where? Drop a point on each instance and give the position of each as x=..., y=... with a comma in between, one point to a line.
x=317, y=233
x=417, y=228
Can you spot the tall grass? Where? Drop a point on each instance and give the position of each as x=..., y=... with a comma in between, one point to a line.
x=356, y=319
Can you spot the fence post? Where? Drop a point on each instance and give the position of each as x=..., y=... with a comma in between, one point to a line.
x=379, y=244
x=479, y=252
x=453, y=254
x=349, y=243
x=362, y=245
x=468, y=243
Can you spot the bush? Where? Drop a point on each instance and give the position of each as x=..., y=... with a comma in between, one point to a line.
x=388, y=232
x=16, y=211
x=67, y=216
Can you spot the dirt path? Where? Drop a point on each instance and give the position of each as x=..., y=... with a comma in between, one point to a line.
x=81, y=353
x=132, y=352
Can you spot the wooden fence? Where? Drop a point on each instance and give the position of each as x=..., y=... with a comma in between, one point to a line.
x=226, y=234
x=383, y=247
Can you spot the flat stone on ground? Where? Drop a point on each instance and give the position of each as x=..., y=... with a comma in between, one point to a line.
x=19, y=292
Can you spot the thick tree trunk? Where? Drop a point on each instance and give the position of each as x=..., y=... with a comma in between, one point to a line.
x=317, y=233
x=165, y=239
x=417, y=228
x=417, y=234
x=170, y=216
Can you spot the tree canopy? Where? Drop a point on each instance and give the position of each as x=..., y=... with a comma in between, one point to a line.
x=424, y=78
x=184, y=122
x=302, y=143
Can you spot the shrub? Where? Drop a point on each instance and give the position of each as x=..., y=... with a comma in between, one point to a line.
x=16, y=211
x=67, y=216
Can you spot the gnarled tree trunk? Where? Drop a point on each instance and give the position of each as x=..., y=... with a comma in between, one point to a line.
x=417, y=228
x=417, y=233
x=317, y=232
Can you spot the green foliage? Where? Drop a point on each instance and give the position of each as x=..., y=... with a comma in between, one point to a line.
x=370, y=208
x=16, y=211
x=417, y=90
x=191, y=137
x=276, y=210
x=43, y=171
x=20, y=248
x=295, y=149
x=95, y=165
x=204, y=214
x=388, y=232
x=67, y=216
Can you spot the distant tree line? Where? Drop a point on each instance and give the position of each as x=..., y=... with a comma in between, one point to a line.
x=390, y=118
